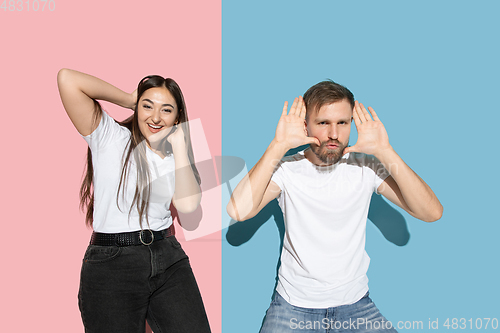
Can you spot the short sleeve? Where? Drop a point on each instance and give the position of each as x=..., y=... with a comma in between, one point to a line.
x=107, y=132
x=277, y=176
x=380, y=171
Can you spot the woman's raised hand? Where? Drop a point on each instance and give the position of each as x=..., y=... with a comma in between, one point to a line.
x=133, y=100
x=176, y=138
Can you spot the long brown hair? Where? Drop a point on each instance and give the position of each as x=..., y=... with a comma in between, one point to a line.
x=135, y=147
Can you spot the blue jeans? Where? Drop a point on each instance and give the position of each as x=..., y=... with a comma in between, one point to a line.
x=362, y=316
x=122, y=287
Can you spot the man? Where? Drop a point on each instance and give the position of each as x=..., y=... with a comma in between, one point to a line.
x=324, y=193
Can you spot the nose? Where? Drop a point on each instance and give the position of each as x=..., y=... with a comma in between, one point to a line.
x=155, y=117
x=333, y=132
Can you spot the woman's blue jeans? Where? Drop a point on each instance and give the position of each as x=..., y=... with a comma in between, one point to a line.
x=360, y=317
x=122, y=287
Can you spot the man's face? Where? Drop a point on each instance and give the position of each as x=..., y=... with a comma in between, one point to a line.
x=331, y=126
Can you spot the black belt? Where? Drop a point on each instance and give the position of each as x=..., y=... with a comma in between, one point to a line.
x=145, y=237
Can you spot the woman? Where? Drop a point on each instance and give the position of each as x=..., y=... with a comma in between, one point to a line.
x=134, y=268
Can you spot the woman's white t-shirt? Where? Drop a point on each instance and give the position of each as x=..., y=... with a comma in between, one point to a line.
x=108, y=143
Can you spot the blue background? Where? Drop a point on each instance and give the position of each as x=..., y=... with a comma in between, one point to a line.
x=430, y=70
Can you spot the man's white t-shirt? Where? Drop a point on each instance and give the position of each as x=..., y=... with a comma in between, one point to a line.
x=325, y=208
x=108, y=143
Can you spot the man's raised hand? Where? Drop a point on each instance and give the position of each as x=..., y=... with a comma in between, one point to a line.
x=372, y=136
x=291, y=130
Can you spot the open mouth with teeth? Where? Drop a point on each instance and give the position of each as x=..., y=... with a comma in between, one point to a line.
x=154, y=128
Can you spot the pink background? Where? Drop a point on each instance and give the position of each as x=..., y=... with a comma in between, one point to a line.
x=43, y=156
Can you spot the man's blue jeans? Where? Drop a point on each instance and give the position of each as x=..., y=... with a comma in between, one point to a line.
x=122, y=287
x=360, y=317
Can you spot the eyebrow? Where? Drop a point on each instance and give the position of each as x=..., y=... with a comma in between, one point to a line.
x=150, y=101
x=321, y=120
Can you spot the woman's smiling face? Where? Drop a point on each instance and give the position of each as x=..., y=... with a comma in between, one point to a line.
x=156, y=111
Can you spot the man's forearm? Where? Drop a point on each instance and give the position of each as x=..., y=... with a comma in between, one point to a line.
x=248, y=195
x=418, y=196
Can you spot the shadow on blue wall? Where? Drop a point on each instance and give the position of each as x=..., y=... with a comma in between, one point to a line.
x=389, y=221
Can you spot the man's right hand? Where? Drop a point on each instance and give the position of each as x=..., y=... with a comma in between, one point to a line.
x=291, y=130
x=257, y=189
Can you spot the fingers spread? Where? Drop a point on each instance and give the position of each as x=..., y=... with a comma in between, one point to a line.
x=355, y=116
x=285, y=109
x=374, y=115
x=303, y=111
x=365, y=112
x=293, y=109
x=300, y=104
x=358, y=107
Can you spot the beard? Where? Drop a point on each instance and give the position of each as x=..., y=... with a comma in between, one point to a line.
x=326, y=155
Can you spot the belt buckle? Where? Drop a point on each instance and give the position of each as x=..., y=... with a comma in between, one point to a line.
x=152, y=237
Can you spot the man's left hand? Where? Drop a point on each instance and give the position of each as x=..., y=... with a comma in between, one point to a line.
x=372, y=136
